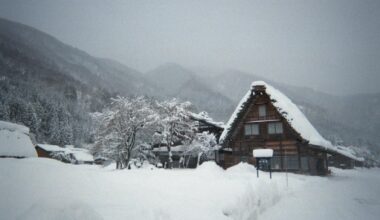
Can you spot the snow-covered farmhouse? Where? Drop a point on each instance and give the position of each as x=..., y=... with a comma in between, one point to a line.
x=266, y=118
x=68, y=154
x=15, y=141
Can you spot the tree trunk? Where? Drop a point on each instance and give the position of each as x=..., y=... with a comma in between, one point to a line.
x=170, y=162
x=199, y=158
x=188, y=161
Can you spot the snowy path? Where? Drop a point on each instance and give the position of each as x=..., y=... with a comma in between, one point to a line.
x=348, y=194
x=47, y=189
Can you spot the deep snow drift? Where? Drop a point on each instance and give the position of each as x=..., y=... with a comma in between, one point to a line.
x=38, y=188
x=15, y=141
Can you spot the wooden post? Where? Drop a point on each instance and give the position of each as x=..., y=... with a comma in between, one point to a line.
x=257, y=167
x=299, y=157
x=281, y=155
x=286, y=170
x=270, y=168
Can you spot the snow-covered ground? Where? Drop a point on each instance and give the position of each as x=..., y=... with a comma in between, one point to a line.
x=37, y=188
x=347, y=194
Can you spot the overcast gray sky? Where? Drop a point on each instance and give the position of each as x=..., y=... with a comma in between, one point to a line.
x=330, y=45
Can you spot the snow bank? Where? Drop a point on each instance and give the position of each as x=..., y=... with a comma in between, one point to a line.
x=15, y=141
x=347, y=194
x=241, y=168
x=56, y=190
x=261, y=195
x=209, y=167
x=38, y=188
x=4, y=125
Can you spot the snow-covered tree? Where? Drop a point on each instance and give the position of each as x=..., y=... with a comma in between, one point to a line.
x=120, y=127
x=204, y=144
x=175, y=125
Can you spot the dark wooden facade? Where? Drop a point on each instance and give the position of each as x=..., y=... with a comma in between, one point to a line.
x=343, y=162
x=291, y=152
x=42, y=152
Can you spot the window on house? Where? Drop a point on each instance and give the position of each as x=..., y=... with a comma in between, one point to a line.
x=276, y=162
x=262, y=111
x=251, y=129
x=275, y=128
x=305, y=163
x=291, y=162
x=244, y=159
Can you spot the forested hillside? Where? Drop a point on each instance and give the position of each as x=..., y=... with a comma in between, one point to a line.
x=52, y=87
x=38, y=92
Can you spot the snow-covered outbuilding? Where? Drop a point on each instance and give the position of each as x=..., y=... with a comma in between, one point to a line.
x=15, y=141
x=266, y=118
x=67, y=154
x=345, y=158
x=206, y=123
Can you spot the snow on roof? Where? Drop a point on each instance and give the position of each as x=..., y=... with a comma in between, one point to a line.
x=239, y=108
x=51, y=148
x=263, y=153
x=80, y=154
x=14, y=127
x=179, y=148
x=203, y=116
x=292, y=114
x=348, y=152
x=15, y=141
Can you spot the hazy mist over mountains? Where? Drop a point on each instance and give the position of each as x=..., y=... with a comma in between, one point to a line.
x=331, y=46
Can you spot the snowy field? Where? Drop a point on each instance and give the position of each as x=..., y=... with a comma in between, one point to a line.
x=41, y=189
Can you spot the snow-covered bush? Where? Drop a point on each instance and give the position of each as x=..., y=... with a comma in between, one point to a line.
x=203, y=146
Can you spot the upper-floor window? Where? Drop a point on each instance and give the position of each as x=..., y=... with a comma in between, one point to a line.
x=275, y=128
x=262, y=111
x=251, y=129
